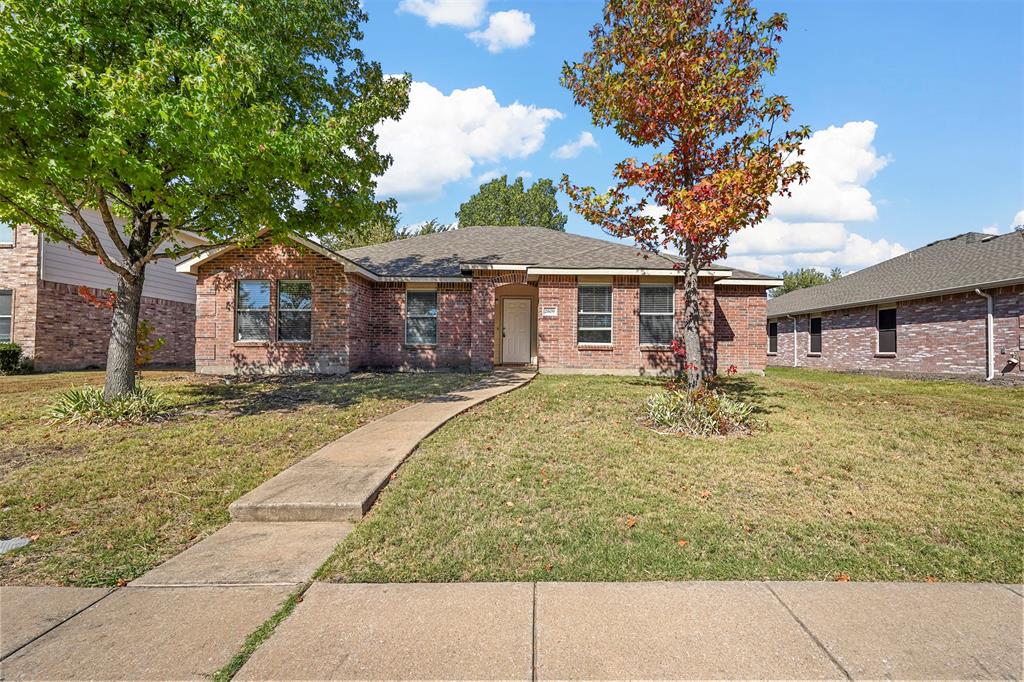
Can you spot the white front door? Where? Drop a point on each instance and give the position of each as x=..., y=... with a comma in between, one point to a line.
x=515, y=331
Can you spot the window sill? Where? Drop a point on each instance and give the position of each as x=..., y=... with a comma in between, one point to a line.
x=771, y=355
x=814, y=355
x=7, y=245
x=595, y=346
x=294, y=341
x=251, y=343
x=655, y=346
x=885, y=355
x=419, y=346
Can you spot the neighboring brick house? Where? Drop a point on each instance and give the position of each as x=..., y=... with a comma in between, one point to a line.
x=42, y=310
x=955, y=306
x=474, y=297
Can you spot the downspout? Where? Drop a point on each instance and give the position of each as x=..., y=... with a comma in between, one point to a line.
x=990, y=349
x=794, y=338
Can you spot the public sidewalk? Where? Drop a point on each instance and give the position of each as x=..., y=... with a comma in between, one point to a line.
x=658, y=630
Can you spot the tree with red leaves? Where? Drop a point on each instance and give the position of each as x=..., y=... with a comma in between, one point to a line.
x=685, y=77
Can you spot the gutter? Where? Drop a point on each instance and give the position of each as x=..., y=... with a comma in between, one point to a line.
x=990, y=351
x=794, y=338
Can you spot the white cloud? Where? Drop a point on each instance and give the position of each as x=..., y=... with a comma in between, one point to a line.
x=442, y=137
x=489, y=175
x=462, y=13
x=841, y=161
x=524, y=174
x=809, y=229
x=571, y=150
x=1018, y=219
x=508, y=29
x=991, y=229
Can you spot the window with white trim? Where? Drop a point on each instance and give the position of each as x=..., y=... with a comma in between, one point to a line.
x=294, y=310
x=6, y=234
x=252, y=310
x=594, y=314
x=657, y=314
x=421, y=318
x=6, y=315
x=886, y=330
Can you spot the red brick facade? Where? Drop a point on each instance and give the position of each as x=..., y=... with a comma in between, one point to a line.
x=740, y=339
x=361, y=324
x=58, y=329
x=938, y=335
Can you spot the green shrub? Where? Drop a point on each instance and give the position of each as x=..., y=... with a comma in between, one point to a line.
x=10, y=358
x=86, y=405
x=699, y=412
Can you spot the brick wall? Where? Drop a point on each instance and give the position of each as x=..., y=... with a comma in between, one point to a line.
x=216, y=350
x=74, y=334
x=387, y=329
x=937, y=335
x=740, y=316
x=557, y=347
x=19, y=272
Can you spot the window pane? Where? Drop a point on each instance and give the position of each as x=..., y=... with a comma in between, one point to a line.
x=815, y=343
x=595, y=299
x=420, y=303
x=295, y=295
x=886, y=340
x=253, y=294
x=655, y=299
x=6, y=233
x=421, y=330
x=594, y=336
x=887, y=319
x=601, y=321
x=253, y=325
x=5, y=329
x=294, y=325
x=5, y=302
x=815, y=325
x=656, y=329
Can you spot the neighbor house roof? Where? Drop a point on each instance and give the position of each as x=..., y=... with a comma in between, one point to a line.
x=456, y=253
x=963, y=263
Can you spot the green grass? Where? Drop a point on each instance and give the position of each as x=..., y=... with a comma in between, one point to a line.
x=109, y=503
x=875, y=478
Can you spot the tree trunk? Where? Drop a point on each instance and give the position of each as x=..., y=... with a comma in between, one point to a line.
x=124, y=330
x=694, y=360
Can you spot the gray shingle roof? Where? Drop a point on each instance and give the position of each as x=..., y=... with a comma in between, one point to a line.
x=959, y=263
x=443, y=254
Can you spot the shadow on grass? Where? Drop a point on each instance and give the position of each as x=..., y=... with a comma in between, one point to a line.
x=238, y=397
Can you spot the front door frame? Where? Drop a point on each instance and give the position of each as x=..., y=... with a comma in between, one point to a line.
x=529, y=330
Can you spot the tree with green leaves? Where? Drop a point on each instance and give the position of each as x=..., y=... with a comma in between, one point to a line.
x=686, y=80
x=378, y=232
x=217, y=118
x=803, y=278
x=432, y=226
x=499, y=203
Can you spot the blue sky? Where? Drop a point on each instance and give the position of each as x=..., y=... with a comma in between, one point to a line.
x=917, y=108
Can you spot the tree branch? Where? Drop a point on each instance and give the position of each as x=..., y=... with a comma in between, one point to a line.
x=108, y=221
x=190, y=250
x=90, y=235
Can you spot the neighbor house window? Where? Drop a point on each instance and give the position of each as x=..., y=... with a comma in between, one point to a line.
x=421, y=318
x=657, y=314
x=773, y=337
x=594, y=321
x=887, y=330
x=252, y=310
x=6, y=234
x=6, y=316
x=815, y=334
x=294, y=311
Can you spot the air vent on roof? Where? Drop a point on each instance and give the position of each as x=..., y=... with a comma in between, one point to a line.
x=989, y=238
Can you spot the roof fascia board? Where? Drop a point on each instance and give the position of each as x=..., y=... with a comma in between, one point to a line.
x=470, y=265
x=907, y=297
x=669, y=272
x=770, y=283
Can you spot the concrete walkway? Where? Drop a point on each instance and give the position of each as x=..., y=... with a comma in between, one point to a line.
x=189, y=616
x=341, y=481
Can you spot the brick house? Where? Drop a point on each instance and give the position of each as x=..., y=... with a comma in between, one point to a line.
x=955, y=306
x=42, y=310
x=474, y=297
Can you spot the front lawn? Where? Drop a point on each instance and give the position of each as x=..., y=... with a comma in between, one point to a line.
x=109, y=503
x=861, y=477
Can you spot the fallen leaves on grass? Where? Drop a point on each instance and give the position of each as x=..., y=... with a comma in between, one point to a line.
x=842, y=578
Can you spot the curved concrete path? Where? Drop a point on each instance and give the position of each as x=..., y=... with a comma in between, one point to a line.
x=340, y=481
